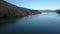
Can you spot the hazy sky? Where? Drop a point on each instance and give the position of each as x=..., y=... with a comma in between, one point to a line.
x=37, y=4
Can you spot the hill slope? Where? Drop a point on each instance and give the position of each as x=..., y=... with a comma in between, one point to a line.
x=10, y=10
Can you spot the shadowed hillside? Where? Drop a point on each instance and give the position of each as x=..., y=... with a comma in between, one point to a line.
x=10, y=10
x=58, y=11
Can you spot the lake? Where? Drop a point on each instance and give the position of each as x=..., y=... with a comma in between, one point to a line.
x=45, y=23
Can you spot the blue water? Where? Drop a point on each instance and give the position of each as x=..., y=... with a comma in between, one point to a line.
x=45, y=23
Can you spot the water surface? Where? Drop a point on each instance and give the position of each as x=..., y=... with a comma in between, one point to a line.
x=45, y=23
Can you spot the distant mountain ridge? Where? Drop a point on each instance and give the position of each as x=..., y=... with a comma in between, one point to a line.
x=58, y=11
x=10, y=10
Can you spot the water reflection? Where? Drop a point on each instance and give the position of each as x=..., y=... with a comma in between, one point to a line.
x=4, y=21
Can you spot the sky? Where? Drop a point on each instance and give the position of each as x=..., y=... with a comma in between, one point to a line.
x=37, y=4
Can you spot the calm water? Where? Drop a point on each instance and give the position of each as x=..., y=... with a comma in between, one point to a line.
x=45, y=23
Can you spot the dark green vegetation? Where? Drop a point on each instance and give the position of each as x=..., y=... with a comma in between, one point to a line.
x=10, y=10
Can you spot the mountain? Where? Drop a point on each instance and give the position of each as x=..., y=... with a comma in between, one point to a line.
x=47, y=10
x=58, y=11
x=10, y=10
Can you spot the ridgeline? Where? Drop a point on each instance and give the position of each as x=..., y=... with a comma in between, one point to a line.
x=10, y=10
